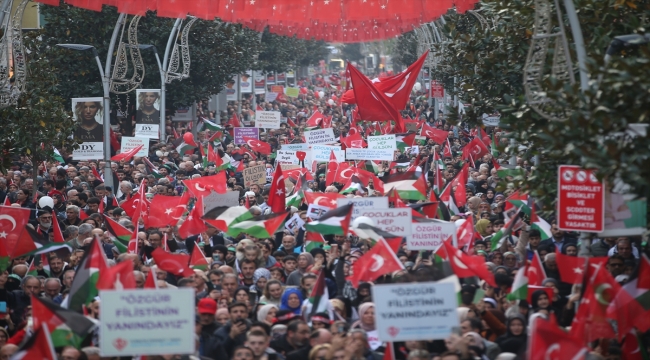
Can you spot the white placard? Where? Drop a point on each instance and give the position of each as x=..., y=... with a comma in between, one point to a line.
x=369, y=154
x=320, y=136
x=415, y=311
x=287, y=157
x=295, y=147
x=149, y=131
x=294, y=224
x=270, y=96
x=89, y=151
x=430, y=235
x=321, y=153
x=268, y=119
x=361, y=204
x=382, y=142
x=394, y=221
x=314, y=211
x=230, y=198
x=147, y=322
x=130, y=143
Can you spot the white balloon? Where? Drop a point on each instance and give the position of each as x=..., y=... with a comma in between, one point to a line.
x=459, y=222
x=321, y=94
x=417, y=86
x=46, y=201
x=330, y=101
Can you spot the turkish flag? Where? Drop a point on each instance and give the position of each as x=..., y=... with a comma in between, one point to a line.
x=475, y=149
x=550, y=342
x=12, y=223
x=439, y=136
x=460, y=181
x=234, y=121
x=297, y=173
x=127, y=156
x=465, y=265
x=315, y=119
x=323, y=199
x=465, y=233
x=535, y=271
x=194, y=223
x=176, y=264
x=164, y=210
x=373, y=104
x=343, y=173
x=151, y=281
x=278, y=194
x=332, y=166
x=354, y=141
x=117, y=277
x=257, y=145
x=201, y=186
x=572, y=267
x=378, y=261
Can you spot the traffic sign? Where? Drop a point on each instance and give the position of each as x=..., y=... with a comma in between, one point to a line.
x=581, y=200
x=437, y=90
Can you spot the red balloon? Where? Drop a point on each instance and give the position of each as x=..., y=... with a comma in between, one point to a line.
x=188, y=137
x=303, y=90
x=334, y=97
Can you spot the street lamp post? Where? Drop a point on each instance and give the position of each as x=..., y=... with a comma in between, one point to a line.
x=162, y=88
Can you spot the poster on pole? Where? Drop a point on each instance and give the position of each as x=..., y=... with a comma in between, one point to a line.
x=369, y=154
x=429, y=234
x=147, y=103
x=382, y=142
x=270, y=79
x=437, y=90
x=254, y=175
x=281, y=78
x=149, y=131
x=581, y=200
x=183, y=113
x=394, y=221
x=246, y=82
x=320, y=136
x=88, y=114
x=268, y=119
x=415, y=311
x=362, y=204
x=231, y=89
x=130, y=143
x=260, y=83
x=625, y=213
x=147, y=322
x=240, y=132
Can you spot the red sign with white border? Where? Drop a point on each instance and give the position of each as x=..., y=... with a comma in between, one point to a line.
x=581, y=200
x=437, y=90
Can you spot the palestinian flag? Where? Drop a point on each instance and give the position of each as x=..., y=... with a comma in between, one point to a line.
x=4, y=256
x=38, y=346
x=212, y=126
x=84, y=285
x=493, y=145
x=182, y=147
x=354, y=184
x=223, y=216
x=540, y=224
x=519, y=201
x=334, y=222
x=497, y=239
x=68, y=327
x=313, y=240
x=372, y=166
x=262, y=227
x=198, y=260
x=295, y=199
x=404, y=141
x=33, y=243
x=367, y=231
x=32, y=270
x=56, y=155
x=152, y=169
x=519, y=289
x=409, y=185
x=118, y=233
x=319, y=297
x=504, y=171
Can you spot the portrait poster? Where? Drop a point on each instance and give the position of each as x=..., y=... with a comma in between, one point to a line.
x=231, y=89
x=88, y=114
x=246, y=82
x=147, y=103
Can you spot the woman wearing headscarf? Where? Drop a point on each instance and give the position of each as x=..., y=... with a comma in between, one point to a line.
x=484, y=228
x=472, y=205
x=514, y=340
x=266, y=314
x=367, y=323
x=260, y=277
x=305, y=260
x=292, y=300
x=363, y=292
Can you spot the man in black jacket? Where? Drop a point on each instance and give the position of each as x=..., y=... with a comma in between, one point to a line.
x=232, y=334
x=207, y=309
x=317, y=337
x=19, y=300
x=210, y=238
x=295, y=338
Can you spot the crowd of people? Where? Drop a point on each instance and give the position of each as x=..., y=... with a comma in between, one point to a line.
x=252, y=301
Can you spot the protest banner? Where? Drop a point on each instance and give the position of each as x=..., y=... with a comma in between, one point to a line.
x=581, y=200
x=314, y=211
x=321, y=153
x=130, y=143
x=214, y=200
x=429, y=235
x=415, y=311
x=287, y=157
x=278, y=89
x=149, y=131
x=268, y=119
x=254, y=175
x=295, y=147
x=320, y=136
x=369, y=154
x=240, y=132
x=294, y=224
x=382, y=142
x=394, y=221
x=361, y=204
x=292, y=92
x=147, y=322
x=270, y=97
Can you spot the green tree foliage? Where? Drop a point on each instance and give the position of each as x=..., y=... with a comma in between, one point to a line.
x=406, y=50
x=488, y=63
x=39, y=121
x=352, y=52
x=281, y=53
